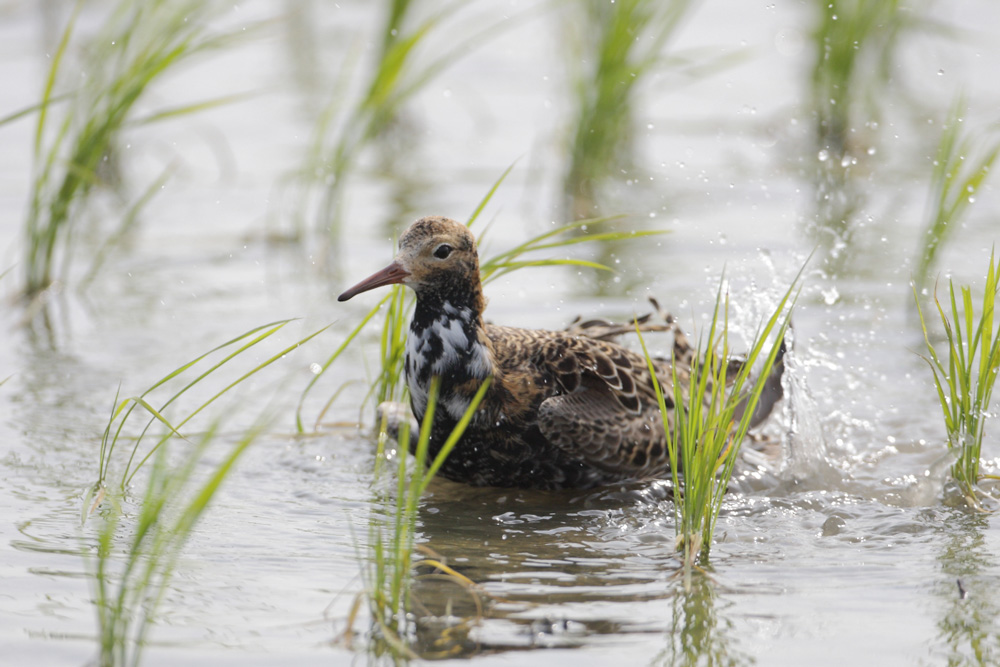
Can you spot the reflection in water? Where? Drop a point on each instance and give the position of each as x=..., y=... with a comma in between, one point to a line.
x=968, y=632
x=557, y=570
x=698, y=635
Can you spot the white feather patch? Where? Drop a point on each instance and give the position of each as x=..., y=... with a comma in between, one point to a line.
x=456, y=348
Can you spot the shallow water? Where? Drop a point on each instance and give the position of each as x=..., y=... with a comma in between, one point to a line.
x=845, y=552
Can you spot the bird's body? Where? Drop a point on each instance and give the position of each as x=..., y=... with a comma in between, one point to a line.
x=564, y=409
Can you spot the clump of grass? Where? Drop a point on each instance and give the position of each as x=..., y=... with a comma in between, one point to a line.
x=128, y=592
x=140, y=42
x=131, y=578
x=715, y=404
x=388, y=571
x=956, y=179
x=627, y=39
x=965, y=385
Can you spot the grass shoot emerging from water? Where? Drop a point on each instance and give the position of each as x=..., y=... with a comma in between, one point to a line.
x=388, y=572
x=715, y=403
x=131, y=578
x=854, y=44
x=398, y=74
x=854, y=48
x=124, y=410
x=965, y=383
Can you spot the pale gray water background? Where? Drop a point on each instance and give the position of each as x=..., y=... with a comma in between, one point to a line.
x=845, y=555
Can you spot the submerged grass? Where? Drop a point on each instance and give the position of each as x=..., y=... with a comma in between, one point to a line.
x=961, y=165
x=965, y=384
x=715, y=404
x=131, y=578
x=140, y=42
x=622, y=42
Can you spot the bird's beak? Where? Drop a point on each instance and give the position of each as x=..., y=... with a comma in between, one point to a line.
x=394, y=273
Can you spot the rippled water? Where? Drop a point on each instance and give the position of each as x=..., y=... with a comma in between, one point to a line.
x=844, y=552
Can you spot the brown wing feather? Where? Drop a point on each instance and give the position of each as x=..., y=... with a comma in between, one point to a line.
x=594, y=398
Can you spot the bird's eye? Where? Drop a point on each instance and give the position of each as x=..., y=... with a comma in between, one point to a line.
x=442, y=251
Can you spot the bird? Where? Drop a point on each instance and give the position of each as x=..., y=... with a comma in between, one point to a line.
x=568, y=409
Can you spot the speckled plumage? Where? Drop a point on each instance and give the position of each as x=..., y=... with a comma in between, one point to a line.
x=566, y=409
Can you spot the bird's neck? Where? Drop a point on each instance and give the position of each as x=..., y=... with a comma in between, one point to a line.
x=446, y=340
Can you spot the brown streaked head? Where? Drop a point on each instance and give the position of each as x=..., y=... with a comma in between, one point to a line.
x=437, y=258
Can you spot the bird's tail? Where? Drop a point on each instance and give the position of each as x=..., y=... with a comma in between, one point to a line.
x=772, y=392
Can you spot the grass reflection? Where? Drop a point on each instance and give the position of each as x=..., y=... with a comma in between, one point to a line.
x=968, y=633
x=698, y=634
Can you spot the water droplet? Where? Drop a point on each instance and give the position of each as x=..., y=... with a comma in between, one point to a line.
x=823, y=155
x=315, y=368
x=940, y=72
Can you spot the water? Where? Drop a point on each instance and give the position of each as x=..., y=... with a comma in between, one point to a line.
x=845, y=552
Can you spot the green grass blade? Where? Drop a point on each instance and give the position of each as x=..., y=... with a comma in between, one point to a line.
x=456, y=434
x=489, y=195
x=343, y=346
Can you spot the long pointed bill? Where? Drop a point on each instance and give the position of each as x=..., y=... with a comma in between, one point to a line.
x=394, y=273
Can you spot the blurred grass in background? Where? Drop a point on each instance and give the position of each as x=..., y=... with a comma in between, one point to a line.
x=615, y=46
x=854, y=50
x=80, y=121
